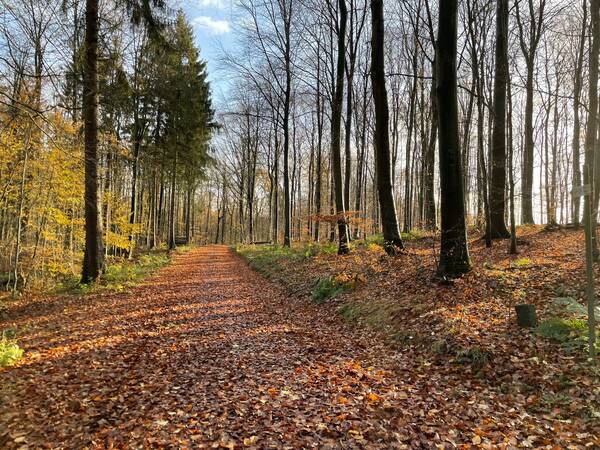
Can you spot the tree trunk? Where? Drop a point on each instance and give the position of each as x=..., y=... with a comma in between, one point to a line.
x=336, y=119
x=527, y=176
x=287, y=238
x=511, y=179
x=429, y=163
x=172, y=215
x=498, y=163
x=93, y=259
x=319, y=161
x=592, y=120
x=385, y=189
x=576, y=119
x=454, y=255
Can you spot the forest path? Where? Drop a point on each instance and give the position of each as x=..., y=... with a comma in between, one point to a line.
x=205, y=354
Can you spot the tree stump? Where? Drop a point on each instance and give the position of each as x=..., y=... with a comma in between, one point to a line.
x=526, y=315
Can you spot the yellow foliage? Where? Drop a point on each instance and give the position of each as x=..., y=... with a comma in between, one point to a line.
x=53, y=235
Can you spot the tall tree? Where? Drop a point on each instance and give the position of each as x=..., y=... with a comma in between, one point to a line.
x=336, y=125
x=497, y=200
x=577, y=88
x=389, y=221
x=140, y=11
x=591, y=138
x=530, y=32
x=454, y=254
x=93, y=259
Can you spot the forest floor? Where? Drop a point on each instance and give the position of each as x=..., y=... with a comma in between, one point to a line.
x=208, y=354
x=502, y=381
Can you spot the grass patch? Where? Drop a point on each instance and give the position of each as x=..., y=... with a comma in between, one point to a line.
x=265, y=258
x=119, y=275
x=572, y=306
x=10, y=352
x=476, y=357
x=522, y=262
x=377, y=239
x=328, y=288
x=562, y=330
x=570, y=333
x=349, y=312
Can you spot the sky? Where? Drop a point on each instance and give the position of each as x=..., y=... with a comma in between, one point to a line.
x=214, y=26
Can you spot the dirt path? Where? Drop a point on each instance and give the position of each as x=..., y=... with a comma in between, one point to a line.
x=209, y=354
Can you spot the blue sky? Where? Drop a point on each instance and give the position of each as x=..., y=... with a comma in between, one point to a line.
x=213, y=22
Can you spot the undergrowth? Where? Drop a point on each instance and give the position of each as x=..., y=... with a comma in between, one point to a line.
x=119, y=275
x=377, y=239
x=570, y=333
x=264, y=258
x=10, y=352
x=327, y=288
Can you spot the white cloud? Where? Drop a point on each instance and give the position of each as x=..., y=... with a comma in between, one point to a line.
x=213, y=26
x=213, y=3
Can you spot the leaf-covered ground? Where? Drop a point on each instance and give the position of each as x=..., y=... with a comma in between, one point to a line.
x=208, y=354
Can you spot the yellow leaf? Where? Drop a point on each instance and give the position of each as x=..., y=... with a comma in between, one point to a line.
x=373, y=398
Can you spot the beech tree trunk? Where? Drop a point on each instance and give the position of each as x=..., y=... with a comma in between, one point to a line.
x=389, y=221
x=336, y=119
x=287, y=237
x=454, y=254
x=592, y=120
x=498, y=163
x=319, y=158
x=576, y=119
x=93, y=259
